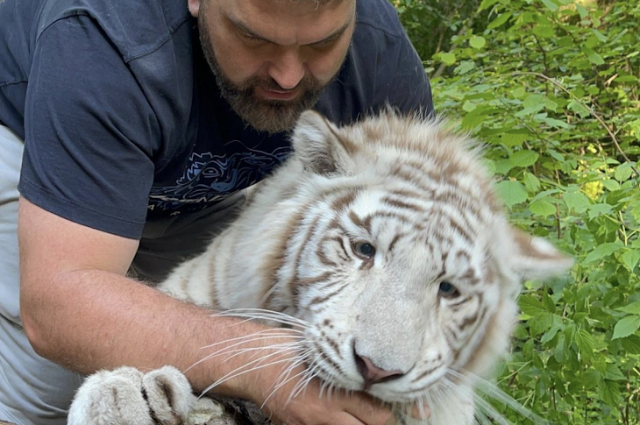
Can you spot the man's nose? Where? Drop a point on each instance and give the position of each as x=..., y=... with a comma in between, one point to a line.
x=288, y=68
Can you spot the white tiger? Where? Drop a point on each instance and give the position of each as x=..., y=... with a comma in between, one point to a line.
x=386, y=244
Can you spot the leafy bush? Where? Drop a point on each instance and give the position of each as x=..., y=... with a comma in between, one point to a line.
x=552, y=87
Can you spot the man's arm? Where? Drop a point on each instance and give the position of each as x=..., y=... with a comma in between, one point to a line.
x=79, y=310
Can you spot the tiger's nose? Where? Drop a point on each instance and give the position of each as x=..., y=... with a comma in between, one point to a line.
x=371, y=373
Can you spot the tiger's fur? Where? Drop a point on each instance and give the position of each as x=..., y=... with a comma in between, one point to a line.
x=418, y=194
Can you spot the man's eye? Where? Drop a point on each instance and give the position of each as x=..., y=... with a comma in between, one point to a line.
x=324, y=44
x=249, y=37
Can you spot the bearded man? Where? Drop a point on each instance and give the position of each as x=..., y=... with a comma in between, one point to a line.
x=141, y=122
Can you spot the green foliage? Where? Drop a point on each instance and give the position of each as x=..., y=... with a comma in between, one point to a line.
x=552, y=87
x=432, y=24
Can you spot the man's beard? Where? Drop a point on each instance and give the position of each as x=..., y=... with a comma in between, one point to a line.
x=271, y=116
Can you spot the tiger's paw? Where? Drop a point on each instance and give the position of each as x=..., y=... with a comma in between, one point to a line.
x=126, y=396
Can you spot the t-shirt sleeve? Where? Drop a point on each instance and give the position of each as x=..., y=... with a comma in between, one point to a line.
x=89, y=131
x=401, y=78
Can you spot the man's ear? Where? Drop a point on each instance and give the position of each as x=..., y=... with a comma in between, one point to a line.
x=194, y=7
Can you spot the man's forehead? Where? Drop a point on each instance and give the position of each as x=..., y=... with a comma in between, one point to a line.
x=288, y=22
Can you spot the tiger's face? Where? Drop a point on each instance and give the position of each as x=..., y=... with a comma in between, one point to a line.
x=412, y=277
x=398, y=294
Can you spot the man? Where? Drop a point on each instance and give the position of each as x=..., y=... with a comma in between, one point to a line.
x=143, y=120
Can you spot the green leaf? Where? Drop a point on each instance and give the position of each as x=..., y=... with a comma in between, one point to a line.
x=581, y=10
x=540, y=323
x=448, y=58
x=548, y=303
x=531, y=182
x=579, y=108
x=477, y=42
x=475, y=117
x=534, y=100
x=593, y=56
x=501, y=19
x=554, y=123
x=626, y=326
x=623, y=172
x=609, y=391
x=550, y=334
x=559, y=351
x=519, y=92
x=626, y=79
x=486, y=4
x=524, y=158
x=631, y=344
x=585, y=343
x=542, y=207
x=530, y=305
x=576, y=201
x=514, y=139
x=602, y=251
x=601, y=37
x=633, y=308
x=611, y=185
x=512, y=192
x=503, y=166
x=550, y=5
x=630, y=259
x=613, y=373
x=464, y=67
x=597, y=210
x=545, y=31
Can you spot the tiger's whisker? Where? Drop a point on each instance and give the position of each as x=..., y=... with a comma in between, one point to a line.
x=243, y=370
x=238, y=351
x=491, y=390
x=258, y=313
x=311, y=373
x=282, y=383
x=273, y=332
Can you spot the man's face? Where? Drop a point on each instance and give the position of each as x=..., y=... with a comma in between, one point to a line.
x=272, y=58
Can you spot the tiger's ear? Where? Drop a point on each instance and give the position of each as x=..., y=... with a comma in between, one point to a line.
x=533, y=257
x=318, y=145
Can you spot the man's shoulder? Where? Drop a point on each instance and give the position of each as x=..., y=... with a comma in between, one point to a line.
x=135, y=27
x=378, y=16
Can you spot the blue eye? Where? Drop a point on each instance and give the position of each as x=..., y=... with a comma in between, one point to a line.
x=364, y=249
x=447, y=290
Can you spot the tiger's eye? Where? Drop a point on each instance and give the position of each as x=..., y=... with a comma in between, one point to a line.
x=447, y=290
x=364, y=249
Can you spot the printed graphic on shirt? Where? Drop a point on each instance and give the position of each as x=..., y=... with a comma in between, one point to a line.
x=210, y=178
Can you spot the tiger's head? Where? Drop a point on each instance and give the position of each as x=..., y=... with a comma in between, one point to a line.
x=400, y=258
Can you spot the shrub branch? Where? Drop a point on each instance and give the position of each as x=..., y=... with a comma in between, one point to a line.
x=591, y=111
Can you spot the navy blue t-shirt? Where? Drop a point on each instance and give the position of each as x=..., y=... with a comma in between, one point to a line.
x=122, y=118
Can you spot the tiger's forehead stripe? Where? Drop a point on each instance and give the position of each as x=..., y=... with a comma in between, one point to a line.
x=403, y=204
x=340, y=199
x=395, y=240
x=321, y=251
x=275, y=260
x=214, y=295
x=295, y=278
x=437, y=191
x=317, y=304
x=364, y=224
x=344, y=200
x=402, y=218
